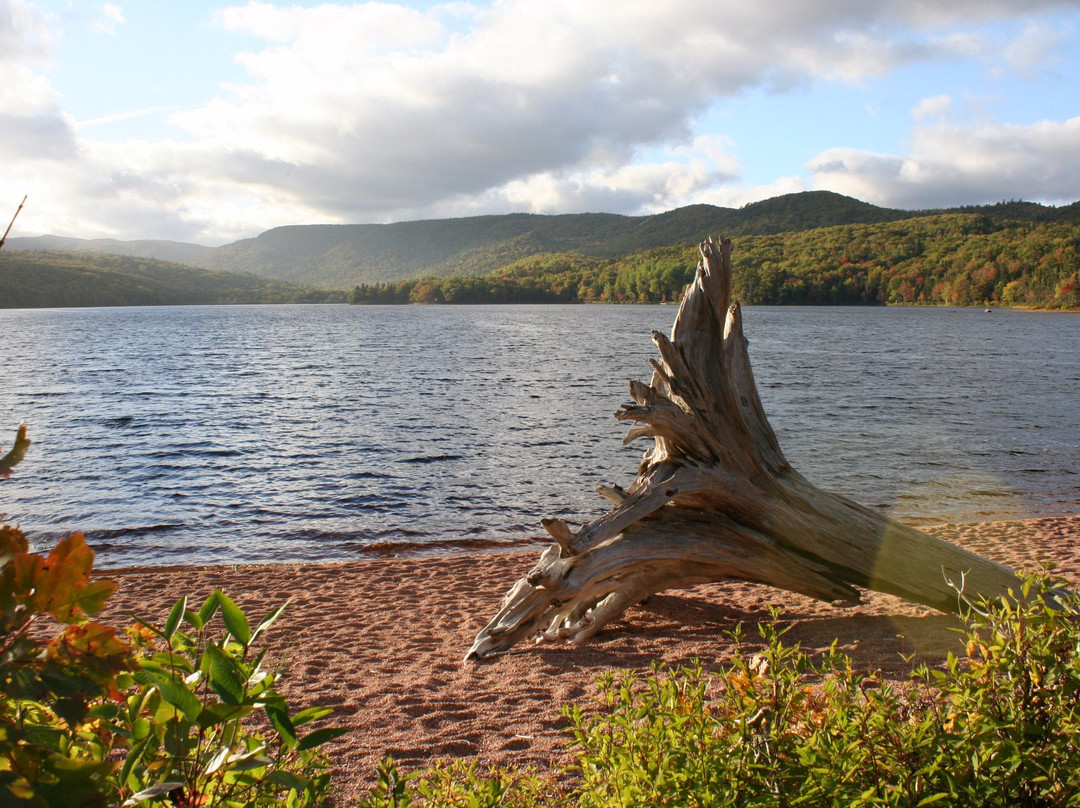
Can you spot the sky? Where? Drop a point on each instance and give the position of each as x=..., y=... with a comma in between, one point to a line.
x=209, y=122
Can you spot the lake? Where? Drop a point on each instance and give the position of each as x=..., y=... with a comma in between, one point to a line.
x=218, y=434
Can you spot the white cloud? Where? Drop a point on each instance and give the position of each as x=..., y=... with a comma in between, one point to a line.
x=24, y=34
x=32, y=126
x=936, y=108
x=952, y=165
x=1036, y=49
x=110, y=19
x=536, y=99
x=375, y=112
x=736, y=195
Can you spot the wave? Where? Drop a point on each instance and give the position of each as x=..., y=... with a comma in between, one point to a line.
x=432, y=458
x=107, y=534
x=443, y=548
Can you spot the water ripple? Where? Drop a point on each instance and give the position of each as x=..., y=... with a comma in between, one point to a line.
x=295, y=433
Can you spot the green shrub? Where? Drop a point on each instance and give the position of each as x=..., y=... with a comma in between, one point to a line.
x=86, y=720
x=779, y=727
x=460, y=784
x=186, y=721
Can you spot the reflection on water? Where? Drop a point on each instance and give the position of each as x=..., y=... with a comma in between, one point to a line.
x=211, y=434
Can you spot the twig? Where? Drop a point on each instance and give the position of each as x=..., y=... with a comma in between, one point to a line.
x=13, y=218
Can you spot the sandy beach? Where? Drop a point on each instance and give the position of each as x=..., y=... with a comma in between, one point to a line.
x=381, y=640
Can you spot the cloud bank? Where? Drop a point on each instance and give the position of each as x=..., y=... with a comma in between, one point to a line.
x=382, y=112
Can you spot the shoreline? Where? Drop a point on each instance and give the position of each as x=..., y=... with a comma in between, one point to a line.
x=452, y=548
x=381, y=640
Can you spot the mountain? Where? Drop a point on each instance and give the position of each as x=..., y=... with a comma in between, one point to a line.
x=340, y=256
x=177, y=252
x=343, y=256
x=38, y=279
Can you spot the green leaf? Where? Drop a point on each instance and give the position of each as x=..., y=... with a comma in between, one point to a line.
x=311, y=714
x=154, y=791
x=286, y=780
x=249, y=761
x=935, y=798
x=321, y=736
x=168, y=662
x=268, y=621
x=173, y=620
x=209, y=608
x=70, y=783
x=216, y=761
x=278, y=713
x=213, y=714
x=225, y=678
x=174, y=692
x=235, y=620
x=193, y=618
x=129, y=763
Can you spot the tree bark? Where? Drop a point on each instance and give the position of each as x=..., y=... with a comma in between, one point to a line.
x=716, y=499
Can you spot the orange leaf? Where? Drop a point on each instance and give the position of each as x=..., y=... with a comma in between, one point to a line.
x=18, y=451
x=12, y=542
x=94, y=647
x=61, y=584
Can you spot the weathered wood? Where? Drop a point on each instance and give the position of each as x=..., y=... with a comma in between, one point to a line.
x=715, y=499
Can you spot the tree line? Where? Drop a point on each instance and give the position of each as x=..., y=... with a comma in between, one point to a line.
x=948, y=259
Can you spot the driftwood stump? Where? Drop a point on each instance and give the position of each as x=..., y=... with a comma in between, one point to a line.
x=715, y=499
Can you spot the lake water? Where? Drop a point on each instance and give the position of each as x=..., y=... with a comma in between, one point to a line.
x=197, y=435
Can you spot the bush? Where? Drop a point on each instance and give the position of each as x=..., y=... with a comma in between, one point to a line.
x=780, y=728
x=460, y=784
x=49, y=754
x=185, y=722
x=88, y=720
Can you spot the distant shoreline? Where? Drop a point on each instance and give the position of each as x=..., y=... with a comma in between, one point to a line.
x=406, y=304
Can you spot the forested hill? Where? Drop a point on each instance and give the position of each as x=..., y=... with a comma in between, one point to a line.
x=35, y=279
x=177, y=252
x=342, y=256
x=807, y=248
x=952, y=259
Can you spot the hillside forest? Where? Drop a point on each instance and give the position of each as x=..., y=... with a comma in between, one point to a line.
x=956, y=259
x=810, y=248
x=46, y=279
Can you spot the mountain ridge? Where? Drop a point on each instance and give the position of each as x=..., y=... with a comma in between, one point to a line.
x=51, y=279
x=175, y=252
x=341, y=256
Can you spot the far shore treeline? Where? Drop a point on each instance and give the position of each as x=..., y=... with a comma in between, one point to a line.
x=952, y=259
x=810, y=248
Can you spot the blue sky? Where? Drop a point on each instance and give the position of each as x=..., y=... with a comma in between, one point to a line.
x=208, y=121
